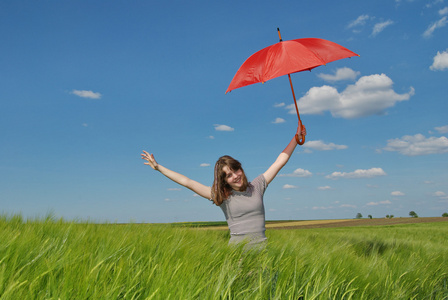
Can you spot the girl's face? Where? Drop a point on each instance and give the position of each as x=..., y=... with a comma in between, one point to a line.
x=234, y=178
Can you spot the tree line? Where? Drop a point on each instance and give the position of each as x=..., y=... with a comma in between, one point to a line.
x=412, y=214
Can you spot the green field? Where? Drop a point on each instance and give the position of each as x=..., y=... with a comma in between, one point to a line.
x=55, y=259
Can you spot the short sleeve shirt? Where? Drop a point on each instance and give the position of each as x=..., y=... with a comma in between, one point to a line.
x=244, y=211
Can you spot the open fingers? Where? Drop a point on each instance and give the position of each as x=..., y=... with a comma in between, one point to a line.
x=146, y=156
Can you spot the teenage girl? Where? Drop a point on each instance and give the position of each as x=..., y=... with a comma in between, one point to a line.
x=240, y=200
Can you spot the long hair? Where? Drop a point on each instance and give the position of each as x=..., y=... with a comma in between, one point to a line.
x=221, y=190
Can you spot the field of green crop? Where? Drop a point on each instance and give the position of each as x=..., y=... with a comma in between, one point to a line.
x=55, y=259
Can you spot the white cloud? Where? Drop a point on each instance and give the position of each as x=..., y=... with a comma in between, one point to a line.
x=324, y=188
x=443, y=197
x=431, y=28
x=381, y=26
x=219, y=127
x=442, y=129
x=278, y=121
x=279, y=104
x=397, y=193
x=443, y=11
x=431, y=3
x=440, y=61
x=86, y=94
x=317, y=100
x=418, y=145
x=298, y=173
x=204, y=165
x=321, y=207
x=360, y=21
x=289, y=186
x=321, y=146
x=348, y=205
x=340, y=74
x=373, y=172
x=368, y=96
x=379, y=203
x=439, y=194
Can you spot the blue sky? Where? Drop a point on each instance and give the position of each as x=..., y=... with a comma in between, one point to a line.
x=87, y=85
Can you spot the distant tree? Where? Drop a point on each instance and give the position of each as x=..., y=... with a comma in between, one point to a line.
x=391, y=216
x=413, y=214
x=358, y=216
x=445, y=214
x=387, y=216
x=370, y=216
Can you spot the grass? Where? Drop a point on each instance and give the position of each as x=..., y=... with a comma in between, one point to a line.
x=55, y=259
x=224, y=223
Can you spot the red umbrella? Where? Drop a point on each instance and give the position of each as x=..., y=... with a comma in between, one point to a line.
x=287, y=57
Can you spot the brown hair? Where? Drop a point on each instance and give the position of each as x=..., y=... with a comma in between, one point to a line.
x=221, y=190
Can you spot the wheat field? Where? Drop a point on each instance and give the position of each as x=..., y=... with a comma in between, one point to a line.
x=56, y=259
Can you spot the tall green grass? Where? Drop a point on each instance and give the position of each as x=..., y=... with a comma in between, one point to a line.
x=54, y=259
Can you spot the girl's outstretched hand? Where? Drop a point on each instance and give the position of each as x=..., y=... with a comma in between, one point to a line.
x=150, y=160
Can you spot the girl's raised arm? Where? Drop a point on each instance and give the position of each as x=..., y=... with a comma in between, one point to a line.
x=283, y=158
x=198, y=188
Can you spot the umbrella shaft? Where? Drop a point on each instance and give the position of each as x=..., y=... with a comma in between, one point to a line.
x=300, y=141
x=294, y=96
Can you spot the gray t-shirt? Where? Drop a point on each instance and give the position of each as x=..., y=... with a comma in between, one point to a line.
x=244, y=211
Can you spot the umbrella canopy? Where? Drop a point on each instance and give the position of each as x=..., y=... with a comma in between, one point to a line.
x=285, y=58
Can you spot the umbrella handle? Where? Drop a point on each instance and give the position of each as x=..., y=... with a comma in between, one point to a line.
x=300, y=141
